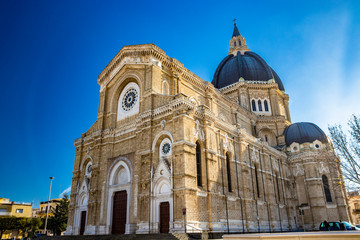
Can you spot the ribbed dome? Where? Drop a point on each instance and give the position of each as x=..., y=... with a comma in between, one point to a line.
x=249, y=66
x=304, y=132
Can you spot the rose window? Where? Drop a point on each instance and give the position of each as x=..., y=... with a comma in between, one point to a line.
x=129, y=99
x=166, y=148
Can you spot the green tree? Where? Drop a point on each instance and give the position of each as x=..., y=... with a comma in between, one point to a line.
x=57, y=223
x=33, y=225
x=23, y=226
x=347, y=147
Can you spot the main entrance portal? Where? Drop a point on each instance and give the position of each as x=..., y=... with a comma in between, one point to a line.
x=82, y=222
x=119, y=212
x=164, y=217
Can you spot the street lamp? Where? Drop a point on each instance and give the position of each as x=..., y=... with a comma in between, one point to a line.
x=47, y=209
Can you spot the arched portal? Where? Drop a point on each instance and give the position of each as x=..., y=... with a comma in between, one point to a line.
x=80, y=216
x=162, y=207
x=119, y=198
x=81, y=208
x=162, y=197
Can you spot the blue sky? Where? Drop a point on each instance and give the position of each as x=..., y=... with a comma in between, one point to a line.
x=53, y=51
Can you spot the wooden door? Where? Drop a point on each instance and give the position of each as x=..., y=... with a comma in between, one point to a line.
x=164, y=217
x=119, y=212
x=82, y=222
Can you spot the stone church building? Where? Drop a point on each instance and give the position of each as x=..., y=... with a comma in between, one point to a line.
x=170, y=151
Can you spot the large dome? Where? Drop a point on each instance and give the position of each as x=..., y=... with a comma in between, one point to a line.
x=304, y=132
x=249, y=66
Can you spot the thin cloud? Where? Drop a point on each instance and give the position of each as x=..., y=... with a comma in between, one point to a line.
x=66, y=191
x=326, y=89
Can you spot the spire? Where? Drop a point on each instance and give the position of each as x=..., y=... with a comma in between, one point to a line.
x=237, y=42
x=236, y=30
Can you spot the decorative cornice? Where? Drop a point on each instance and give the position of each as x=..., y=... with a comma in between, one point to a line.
x=133, y=50
x=150, y=50
x=250, y=84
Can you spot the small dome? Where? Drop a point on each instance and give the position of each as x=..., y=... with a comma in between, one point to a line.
x=248, y=65
x=303, y=132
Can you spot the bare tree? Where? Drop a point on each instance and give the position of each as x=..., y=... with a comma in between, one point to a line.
x=347, y=147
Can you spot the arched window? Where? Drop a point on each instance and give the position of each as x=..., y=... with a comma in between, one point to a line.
x=128, y=102
x=198, y=164
x=326, y=188
x=260, y=106
x=235, y=44
x=257, y=182
x=228, y=172
x=239, y=43
x=253, y=105
x=266, y=106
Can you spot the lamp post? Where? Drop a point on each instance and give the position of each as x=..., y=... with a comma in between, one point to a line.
x=47, y=208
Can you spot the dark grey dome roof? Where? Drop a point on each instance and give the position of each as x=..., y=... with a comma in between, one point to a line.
x=304, y=132
x=249, y=66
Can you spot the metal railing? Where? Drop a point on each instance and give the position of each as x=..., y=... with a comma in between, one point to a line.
x=204, y=233
x=198, y=230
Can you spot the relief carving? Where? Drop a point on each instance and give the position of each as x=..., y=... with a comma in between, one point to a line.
x=199, y=132
x=298, y=171
x=322, y=169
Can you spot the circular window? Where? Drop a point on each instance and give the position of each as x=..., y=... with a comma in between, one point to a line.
x=317, y=146
x=129, y=99
x=166, y=148
x=295, y=148
x=89, y=169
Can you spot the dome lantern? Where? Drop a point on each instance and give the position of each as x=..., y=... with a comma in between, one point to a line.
x=237, y=42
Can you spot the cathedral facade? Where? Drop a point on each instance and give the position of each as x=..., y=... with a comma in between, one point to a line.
x=170, y=152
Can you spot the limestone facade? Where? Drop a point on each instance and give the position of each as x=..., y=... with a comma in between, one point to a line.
x=163, y=135
x=354, y=206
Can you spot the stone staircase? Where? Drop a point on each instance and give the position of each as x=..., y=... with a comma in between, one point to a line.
x=161, y=236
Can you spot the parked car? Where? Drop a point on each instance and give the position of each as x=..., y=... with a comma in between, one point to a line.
x=358, y=226
x=335, y=226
